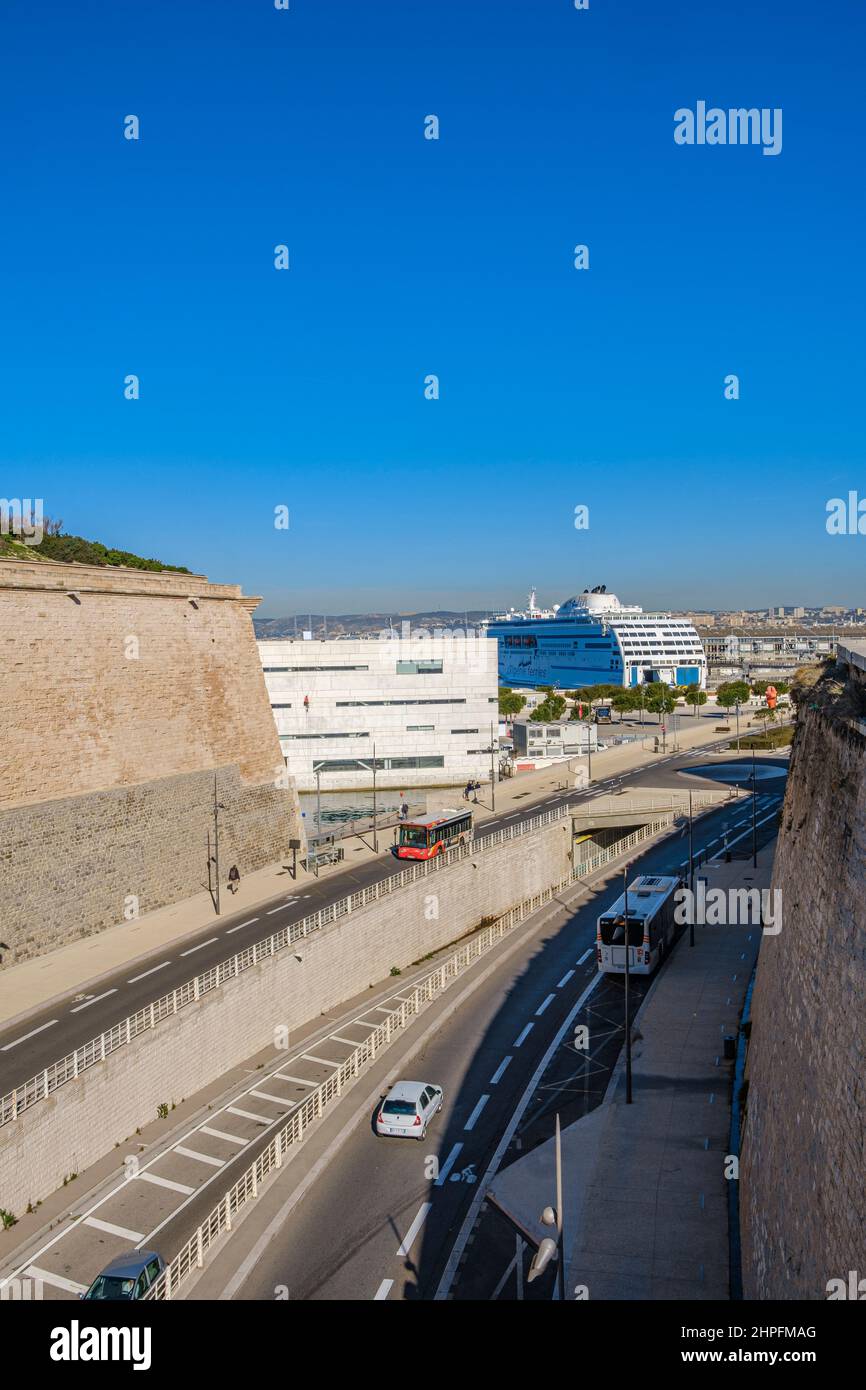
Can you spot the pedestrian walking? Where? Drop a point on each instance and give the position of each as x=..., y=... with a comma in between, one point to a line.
x=234, y=878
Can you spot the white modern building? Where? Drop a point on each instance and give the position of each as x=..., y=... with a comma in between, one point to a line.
x=423, y=706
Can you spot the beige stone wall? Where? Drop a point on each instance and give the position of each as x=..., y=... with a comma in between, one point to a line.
x=85, y=1119
x=803, y=1190
x=121, y=693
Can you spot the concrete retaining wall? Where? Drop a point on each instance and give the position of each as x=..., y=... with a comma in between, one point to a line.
x=85, y=1119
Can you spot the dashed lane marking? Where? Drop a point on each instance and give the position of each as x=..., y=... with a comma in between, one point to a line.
x=473, y=1118
x=383, y=1290
x=200, y=946
x=68, y=1285
x=524, y=1035
x=166, y=1182
x=498, y=1074
x=540, y=1010
x=201, y=1158
x=25, y=1037
x=248, y=1115
x=125, y=1234
x=221, y=1134
x=135, y=978
x=448, y=1165
x=413, y=1230
x=95, y=1000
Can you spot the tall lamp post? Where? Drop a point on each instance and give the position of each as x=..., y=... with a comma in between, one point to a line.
x=754, y=810
x=691, y=879
x=492, y=770
x=217, y=807
x=551, y=1248
x=375, y=826
x=737, y=709
x=317, y=768
x=627, y=1011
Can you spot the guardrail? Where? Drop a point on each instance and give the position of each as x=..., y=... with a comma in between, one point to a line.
x=246, y=1189
x=597, y=861
x=90, y=1054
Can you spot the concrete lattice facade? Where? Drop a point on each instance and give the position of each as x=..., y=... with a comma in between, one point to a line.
x=425, y=703
x=123, y=695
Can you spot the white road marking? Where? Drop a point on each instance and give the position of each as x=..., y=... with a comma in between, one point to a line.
x=29, y=1035
x=271, y=910
x=413, y=1230
x=95, y=1000
x=586, y=955
x=540, y=1010
x=466, y=1229
x=348, y=1041
x=241, y=925
x=248, y=1115
x=166, y=1182
x=200, y=946
x=383, y=1290
x=448, y=1165
x=473, y=1118
x=300, y=1080
x=322, y=1061
x=524, y=1035
x=565, y=979
x=497, y=1075
x=265, y=1095
x=68, y=1285
x=202, y=1158
x=125, y=1234
x=221, y=1134
x=135, y=979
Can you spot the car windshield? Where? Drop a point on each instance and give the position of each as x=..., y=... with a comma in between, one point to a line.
x=107, y=1286
x=399, y=1107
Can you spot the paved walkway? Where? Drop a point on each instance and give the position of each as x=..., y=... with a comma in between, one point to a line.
x=646, y=1201
x=33, y=983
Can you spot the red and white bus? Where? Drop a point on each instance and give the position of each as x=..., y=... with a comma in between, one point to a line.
x=651, y=926
x=426, y=836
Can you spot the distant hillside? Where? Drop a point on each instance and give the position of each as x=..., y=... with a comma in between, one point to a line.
x=362, y=624
x=57, y=546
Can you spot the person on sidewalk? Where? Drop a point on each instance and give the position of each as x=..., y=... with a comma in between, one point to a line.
x=234, y=878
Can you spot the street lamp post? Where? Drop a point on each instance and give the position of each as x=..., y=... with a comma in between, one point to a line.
x=318, y=772
x=691, y=879
x=754, y=811
x=551, y=1248
x=217, y=807
x=492, y=771
x=737, y=709
x=375, y=828
x=627, y=1012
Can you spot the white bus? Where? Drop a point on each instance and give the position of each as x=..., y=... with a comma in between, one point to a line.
x=651, y=926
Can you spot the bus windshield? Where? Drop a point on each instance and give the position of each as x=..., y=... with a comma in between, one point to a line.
x=414, y=835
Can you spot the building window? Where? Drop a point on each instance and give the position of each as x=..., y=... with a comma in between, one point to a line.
x=274, y=670
x=414, y=762
x=355, y=704
x=304, y=736
x=420, y=728
x=419, y=668
x=273, y=706
x=466, y=731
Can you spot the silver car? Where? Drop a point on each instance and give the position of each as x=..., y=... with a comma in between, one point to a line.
x=408, y=1108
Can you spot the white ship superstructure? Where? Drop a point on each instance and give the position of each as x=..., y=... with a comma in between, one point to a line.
x=593, y=639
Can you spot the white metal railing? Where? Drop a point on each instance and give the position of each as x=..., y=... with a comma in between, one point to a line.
x=597, y=861
x=246, y=1189
x=68, y=1068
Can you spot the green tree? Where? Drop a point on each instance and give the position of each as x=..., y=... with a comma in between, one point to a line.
x=624, y=701
x=696, y=698
x=729, y=692
x=510, y=703
x=659, y=699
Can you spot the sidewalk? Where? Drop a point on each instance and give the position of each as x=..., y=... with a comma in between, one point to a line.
x=32, y=984
x=646, y=1201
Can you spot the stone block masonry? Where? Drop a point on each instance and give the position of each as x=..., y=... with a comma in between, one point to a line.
x=803, y=1173
x=84, y=1120
x=122, y=694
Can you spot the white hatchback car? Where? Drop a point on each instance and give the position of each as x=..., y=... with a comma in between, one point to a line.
x=408, y=1108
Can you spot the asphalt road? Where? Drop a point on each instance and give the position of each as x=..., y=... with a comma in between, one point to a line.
x=376, y=1224
x=27, y=1047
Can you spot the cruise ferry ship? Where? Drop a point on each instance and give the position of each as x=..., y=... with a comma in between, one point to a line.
x=593, y=639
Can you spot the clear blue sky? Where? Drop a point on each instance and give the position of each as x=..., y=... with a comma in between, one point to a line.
x=409, y=256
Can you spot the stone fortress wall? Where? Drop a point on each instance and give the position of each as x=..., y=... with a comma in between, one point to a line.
x=803, y=1190
x=123, y=695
